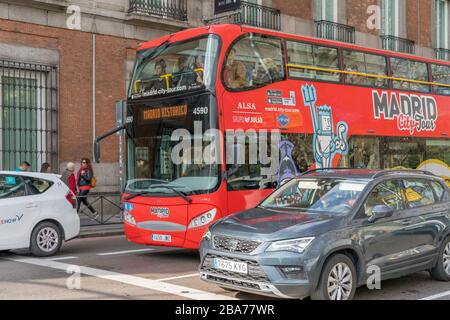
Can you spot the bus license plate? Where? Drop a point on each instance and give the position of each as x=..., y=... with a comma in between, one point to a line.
x=233, y=266
x=162, y=237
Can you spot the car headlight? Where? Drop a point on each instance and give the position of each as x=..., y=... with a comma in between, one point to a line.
x=129, y=218
x=203, y=219
x=293, y=245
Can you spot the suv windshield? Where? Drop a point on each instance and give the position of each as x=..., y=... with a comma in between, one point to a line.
x=175, y=68
x=330, y=195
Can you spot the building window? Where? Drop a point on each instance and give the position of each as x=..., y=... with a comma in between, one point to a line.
x=327, y=10
x=442, y=25
x=390, y=17
x=28, y=108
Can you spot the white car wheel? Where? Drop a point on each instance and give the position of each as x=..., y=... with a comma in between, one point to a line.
x=46, y=239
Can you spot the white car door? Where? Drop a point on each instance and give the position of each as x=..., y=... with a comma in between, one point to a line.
x=18, y=212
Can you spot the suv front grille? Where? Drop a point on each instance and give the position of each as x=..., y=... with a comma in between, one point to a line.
x=255, y=273
x=235, y=245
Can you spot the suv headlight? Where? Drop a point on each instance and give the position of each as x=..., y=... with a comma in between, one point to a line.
x=207, y=236
x=293, y=245
x=203, y=219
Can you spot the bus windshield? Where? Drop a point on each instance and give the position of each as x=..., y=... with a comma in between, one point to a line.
x=168, y=146
x=175, y=68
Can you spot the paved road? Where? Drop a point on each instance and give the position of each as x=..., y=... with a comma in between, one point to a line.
x=112, y=268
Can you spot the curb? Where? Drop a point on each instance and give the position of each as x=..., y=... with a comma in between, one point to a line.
x=101, y=234
x=96, y=232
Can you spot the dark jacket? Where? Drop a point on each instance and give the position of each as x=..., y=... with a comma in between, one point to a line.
x=85, y=178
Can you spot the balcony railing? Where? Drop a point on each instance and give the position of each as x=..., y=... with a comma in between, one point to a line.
x=335, y=31
x=253, y=15
x=398, y=44
x=175, y=9
x=442, y=54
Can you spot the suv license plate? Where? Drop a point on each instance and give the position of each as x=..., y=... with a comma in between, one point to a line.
x=233, y=266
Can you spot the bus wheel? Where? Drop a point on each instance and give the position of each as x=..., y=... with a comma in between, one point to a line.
x=46, y=239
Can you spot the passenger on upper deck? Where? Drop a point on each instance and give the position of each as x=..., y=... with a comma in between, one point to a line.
x=235, y=72
x=160, y=80
x=184, y=76
x=266, y=72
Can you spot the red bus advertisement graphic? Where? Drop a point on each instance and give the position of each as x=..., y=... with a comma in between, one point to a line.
x=299, y=103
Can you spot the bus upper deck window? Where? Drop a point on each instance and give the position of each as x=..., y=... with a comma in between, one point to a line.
x=409, y=70
x=441, y=75
x=253, y=61
x=176, y=68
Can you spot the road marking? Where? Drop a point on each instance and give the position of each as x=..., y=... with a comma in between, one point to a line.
x=181, y=277
x=61, y=258
x=437, y=296
x=124, y=252
x=155, y=285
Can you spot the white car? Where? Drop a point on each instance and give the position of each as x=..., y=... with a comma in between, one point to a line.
x=36, y=212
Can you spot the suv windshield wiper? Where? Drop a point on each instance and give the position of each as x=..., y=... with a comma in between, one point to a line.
x=143, y=193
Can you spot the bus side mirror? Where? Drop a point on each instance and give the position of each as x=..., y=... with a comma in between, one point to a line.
x=97, y=152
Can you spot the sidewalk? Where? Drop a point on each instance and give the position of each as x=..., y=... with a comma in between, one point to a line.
x=101, y=231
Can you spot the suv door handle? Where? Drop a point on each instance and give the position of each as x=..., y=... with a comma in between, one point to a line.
x=31, y=205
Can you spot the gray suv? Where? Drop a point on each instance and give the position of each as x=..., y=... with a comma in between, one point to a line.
x=329, y=231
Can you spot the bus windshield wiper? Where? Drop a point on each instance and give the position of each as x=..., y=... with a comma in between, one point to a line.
x=143, y=193
x=180, y=193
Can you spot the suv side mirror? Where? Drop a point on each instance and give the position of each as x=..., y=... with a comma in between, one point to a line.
x=380, y=212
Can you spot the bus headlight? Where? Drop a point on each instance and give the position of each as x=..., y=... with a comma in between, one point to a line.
x=203, y=219
x=294, y=245
x=129, y=218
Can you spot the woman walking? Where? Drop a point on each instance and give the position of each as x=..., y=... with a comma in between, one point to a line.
x=68, y=177
x=84, y=179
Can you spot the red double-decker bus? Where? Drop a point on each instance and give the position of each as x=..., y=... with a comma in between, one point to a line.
x=329, y=104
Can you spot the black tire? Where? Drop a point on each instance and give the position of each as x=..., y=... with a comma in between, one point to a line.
x=37, y=248
x=321, y=292
x=438, y=272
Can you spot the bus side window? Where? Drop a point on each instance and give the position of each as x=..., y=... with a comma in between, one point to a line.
x=365, y=63
x=301, y=56
x=252, y=62
x=412, y=70
x=441, y=75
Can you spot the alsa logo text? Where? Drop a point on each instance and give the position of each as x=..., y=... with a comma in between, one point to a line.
x=246, y=106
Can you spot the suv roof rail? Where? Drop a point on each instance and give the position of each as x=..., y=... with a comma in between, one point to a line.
x=325, y=169
x=385, y=172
